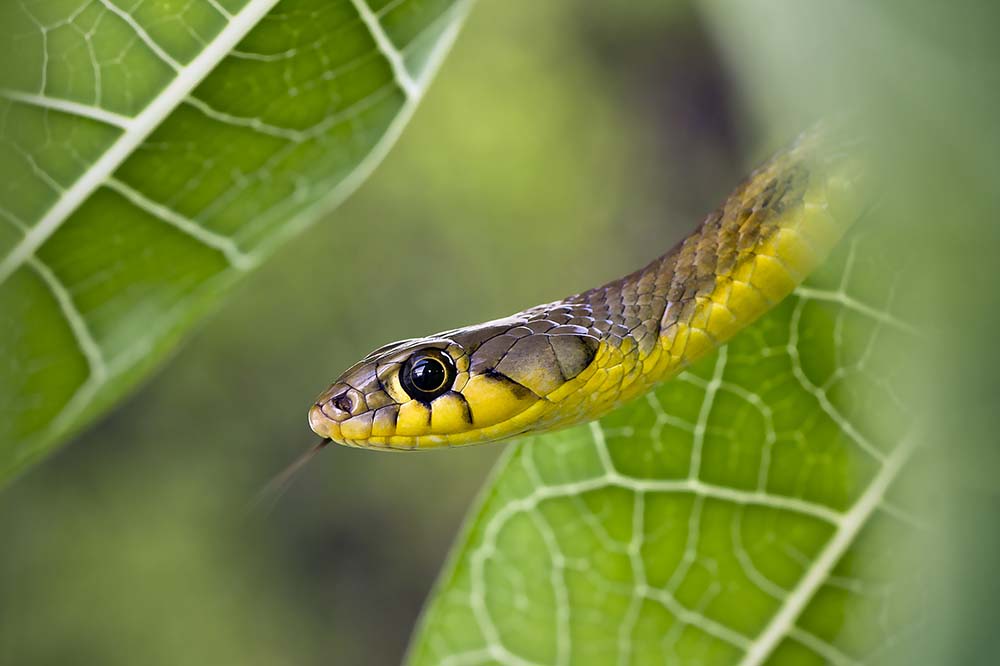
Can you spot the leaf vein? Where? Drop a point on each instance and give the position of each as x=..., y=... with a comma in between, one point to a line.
x=406, y=82
x=69, y=107
x=234, y=255
x=143, y=36
x=845, y=535
x=81, y=331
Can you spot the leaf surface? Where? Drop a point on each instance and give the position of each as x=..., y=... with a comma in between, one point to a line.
x=152, y=152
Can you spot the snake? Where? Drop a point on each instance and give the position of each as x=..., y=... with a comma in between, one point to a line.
x=576, y=359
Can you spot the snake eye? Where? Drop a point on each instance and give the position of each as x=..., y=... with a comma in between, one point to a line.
x=427, y=374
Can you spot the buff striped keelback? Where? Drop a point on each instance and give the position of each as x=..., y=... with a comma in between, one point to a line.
x=576, y=359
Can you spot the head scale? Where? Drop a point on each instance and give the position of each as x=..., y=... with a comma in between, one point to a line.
x=467, y=386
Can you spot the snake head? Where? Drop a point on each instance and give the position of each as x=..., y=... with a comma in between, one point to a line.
x=468, y=386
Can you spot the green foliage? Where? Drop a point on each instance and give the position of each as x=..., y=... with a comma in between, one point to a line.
x=749, y=510
x=150, y=157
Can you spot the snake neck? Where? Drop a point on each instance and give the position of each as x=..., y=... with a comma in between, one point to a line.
x=745, y=257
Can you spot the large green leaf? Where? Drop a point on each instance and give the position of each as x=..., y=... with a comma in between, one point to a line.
x=924, y=74
x=749, y=511
x=152, y=152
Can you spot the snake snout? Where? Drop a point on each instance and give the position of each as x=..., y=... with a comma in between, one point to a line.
x=339, y=403
x=335, y=405
x=320, y=423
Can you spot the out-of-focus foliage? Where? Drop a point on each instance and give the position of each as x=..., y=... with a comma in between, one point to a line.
x=150, y=154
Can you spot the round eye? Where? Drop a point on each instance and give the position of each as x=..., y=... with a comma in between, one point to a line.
x=427, y=374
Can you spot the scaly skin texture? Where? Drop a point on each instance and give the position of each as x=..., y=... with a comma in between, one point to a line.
x=574, y=360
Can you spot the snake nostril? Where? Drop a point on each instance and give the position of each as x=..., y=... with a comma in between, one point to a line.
x=343, y=403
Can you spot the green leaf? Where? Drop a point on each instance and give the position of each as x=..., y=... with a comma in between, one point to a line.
x=924, y=75
x=153, y=152
x=749, y=511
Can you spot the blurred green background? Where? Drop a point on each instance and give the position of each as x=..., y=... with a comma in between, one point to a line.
x=563, y=143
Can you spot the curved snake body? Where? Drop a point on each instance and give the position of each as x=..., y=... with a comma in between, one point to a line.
x=576, y=359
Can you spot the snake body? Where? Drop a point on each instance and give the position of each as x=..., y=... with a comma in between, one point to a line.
x=574, y=360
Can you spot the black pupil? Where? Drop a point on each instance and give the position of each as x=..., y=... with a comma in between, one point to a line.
x=428, y=374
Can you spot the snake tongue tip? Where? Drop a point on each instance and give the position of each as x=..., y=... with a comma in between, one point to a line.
x=272, y=492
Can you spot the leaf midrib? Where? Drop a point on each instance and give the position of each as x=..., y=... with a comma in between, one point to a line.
x=846, y=534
